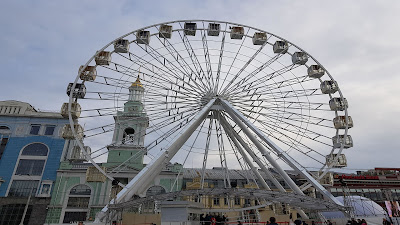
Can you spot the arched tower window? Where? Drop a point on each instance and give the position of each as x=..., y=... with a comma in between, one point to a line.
x=155, y=190
x=128, y=136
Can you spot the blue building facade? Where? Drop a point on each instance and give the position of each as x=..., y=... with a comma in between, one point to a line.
x=31, y=148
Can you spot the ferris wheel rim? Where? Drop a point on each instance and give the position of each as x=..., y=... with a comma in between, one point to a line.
x=180, y=21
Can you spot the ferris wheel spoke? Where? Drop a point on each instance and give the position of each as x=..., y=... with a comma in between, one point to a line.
x=317, y=121
x=168, y=70
x=240, y=159
x=292, y=143
x=172, y=50
x=221, y=149
x=206, y=150
x=233, y=61
x=131, y=73
x=207, y=58
x=202, y=87
x=289, y=106
x=221, y=53
x=169, y=120
x=195, y=61
x=299, y=131
x=248, y=77
x=260, y=84
x=155, y=79
x=283, y=131
x=187, y=155
x=281, y=94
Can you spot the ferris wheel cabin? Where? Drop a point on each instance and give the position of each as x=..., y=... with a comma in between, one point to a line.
x=339, y=140
x=165, y=31
x=103, y=58
x=280, y=47
x=329, y=87
x=66, y=132
x=340, y=122
x=121, y=46
x=237, y=33
x=315, y=71
x=259, y=38
x=341, y=161
x=87, y=74
x=338, y=104
x=79, y=92
x=213, y=29
x=75, y=110
x=143, y=37
x=190, y=29
x=77, y=155
x=299, y=58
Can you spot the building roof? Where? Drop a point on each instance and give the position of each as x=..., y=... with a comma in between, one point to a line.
x=18, y=108
x=217, y=173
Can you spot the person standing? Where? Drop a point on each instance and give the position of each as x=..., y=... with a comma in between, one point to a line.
x=272, y=221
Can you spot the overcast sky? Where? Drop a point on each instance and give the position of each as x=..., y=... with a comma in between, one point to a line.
x=43, y=43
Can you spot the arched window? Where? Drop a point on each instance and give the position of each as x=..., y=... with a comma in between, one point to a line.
x=35, y=149
x=80, y=189
x=78, y=204
x=4, y=130
x=28, y=165
x=155, y=190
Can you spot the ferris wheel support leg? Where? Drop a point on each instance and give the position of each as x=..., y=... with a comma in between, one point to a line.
x=236, y=138
x=156, y=165
x=242, y=121
x=229, y=131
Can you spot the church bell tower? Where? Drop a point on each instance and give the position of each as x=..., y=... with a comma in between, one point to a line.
x=130, y=130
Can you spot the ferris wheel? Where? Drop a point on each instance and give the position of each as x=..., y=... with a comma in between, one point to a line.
x=209, y=94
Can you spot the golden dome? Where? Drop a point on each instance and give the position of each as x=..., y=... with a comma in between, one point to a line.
x=137, y=83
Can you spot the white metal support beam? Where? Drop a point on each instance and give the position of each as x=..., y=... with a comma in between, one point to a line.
x=259, y=163
x=241, y=120
x=229, y=131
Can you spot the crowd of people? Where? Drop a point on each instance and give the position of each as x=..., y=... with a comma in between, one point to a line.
x=210, y=219
x=356, y=222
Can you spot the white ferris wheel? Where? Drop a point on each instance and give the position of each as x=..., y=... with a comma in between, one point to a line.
x=214, y=94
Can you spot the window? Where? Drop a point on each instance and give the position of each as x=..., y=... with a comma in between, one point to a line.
x=80, y=190
x=49, y=130
x=36, y=149
x=12, y=214
x=247, y=201
x=35, y=129
x=3, y=144
x=30, y=167
x=226, y=201
x=216, y=201
x=22, y=188
x=237, y=200
x=78, y=202
x=45, y=189
x=128, y=136
x=4, y=136
x=71, y=217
